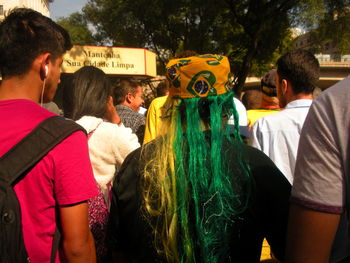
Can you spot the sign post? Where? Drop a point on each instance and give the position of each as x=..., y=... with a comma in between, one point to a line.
x=138, y=62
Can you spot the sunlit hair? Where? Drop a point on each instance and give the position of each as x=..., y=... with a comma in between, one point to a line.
x=192, y=194
x=24, y=35
x=90, y=90
x=122, y=87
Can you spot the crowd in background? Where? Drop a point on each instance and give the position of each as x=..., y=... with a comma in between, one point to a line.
x=202, y=176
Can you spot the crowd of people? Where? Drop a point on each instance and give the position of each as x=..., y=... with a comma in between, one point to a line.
x=202, y=177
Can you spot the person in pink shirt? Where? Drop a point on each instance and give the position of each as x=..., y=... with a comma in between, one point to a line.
x=55, y=191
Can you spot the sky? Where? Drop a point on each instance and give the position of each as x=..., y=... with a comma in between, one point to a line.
x=63, y=8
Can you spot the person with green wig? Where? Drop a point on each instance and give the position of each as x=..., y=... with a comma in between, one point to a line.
x=197, y=193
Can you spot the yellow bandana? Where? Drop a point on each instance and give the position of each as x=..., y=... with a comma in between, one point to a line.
x=198, y=76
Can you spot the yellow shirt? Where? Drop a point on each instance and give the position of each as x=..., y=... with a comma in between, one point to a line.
x=154, y=120
x=254, y=115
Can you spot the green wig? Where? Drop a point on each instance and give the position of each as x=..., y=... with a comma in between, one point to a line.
x=194, y=188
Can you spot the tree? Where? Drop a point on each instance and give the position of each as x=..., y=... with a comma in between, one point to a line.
x=327, y=22
x=264, y=31
x=78, y=29
x=250, y=32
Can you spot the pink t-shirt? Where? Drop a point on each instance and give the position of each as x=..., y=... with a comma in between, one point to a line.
x=64, y=176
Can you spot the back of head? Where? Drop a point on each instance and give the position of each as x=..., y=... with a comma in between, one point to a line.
x=91, y=91
x=162, y=89
x=268, y=85
x=24, y=35
x=301, y=68
x=122, y=87
x=252, y=99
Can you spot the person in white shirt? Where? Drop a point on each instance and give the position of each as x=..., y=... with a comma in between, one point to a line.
x=242, y=118
x=278, y=135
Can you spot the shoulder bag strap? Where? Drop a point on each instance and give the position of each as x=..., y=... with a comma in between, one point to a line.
x=33, y=147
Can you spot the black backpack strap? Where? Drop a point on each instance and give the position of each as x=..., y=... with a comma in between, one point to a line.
x=33, y=147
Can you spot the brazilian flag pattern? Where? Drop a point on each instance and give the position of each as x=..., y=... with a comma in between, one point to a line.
x=198, y=76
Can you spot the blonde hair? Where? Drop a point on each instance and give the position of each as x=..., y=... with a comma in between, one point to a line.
x=188, y=182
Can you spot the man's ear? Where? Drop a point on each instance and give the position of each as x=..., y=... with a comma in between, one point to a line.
x=44, y=66
x=129, y=97
x=284, y=86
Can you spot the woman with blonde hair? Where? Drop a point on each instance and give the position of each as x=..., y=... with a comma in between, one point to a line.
x=198, y=194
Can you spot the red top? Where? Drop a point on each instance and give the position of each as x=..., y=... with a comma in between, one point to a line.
x=64, y=176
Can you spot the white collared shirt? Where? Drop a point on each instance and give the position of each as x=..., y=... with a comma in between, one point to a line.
x=278, y=135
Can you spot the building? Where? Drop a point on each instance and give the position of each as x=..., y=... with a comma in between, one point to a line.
x=41, y=6
x=328, y=51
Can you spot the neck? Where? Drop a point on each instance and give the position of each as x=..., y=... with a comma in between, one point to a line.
x=269, y=105
x=127, y=104
x=20, y=87
x=300, y=96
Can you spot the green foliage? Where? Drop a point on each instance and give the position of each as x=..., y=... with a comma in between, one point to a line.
x=78, y=29
x=251, y=33
x=308, y=13
x=262, y=32
x=329, y=24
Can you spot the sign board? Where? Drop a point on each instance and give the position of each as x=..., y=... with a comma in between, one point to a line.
x=112, y=60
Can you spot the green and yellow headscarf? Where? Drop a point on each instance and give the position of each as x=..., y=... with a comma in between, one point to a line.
x=198, y=76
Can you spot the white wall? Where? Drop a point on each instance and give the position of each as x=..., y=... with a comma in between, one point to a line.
x=41, y=6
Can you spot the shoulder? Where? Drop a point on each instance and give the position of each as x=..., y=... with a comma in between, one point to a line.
x=158, y=102
x=264, y=172
x=334, y=98
x=140, y=116
x=89, y=123
x=26, y=111
x=129, y=173
x=252, y=156
x=76, y=140
x=274, y=116
x=267, y=122
x=122, y=133
x=72, y=170
x=257, y=158
x=340, y=88
x=280, y=120
x=122, y=109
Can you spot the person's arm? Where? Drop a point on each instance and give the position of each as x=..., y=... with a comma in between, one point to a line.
x=310, y=235
x=77, y=240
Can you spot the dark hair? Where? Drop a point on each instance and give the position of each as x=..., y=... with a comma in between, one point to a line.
x=122, y=87
x=162, y=89
x=91, y=90
x=301, y=68
x=24, y=35
x=204, y=109
x=252, y=99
